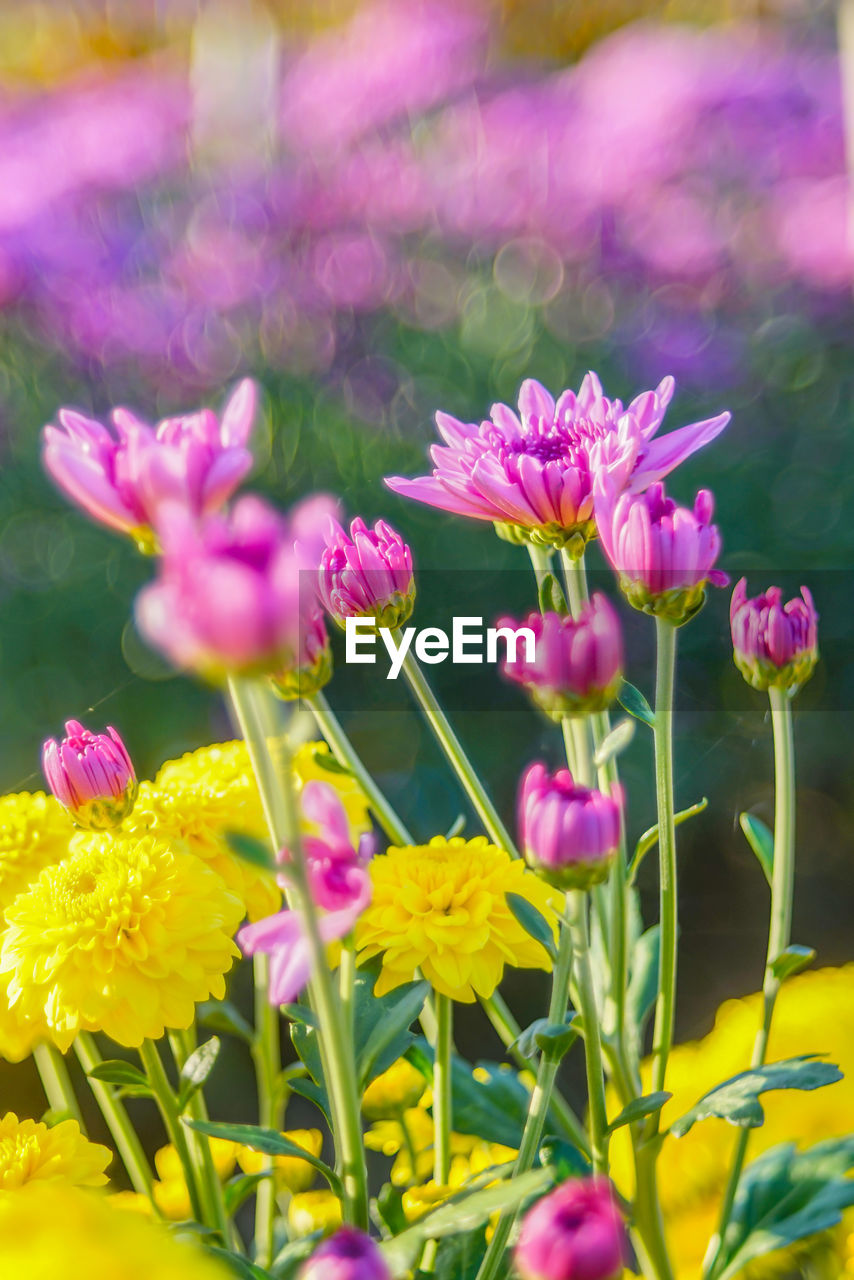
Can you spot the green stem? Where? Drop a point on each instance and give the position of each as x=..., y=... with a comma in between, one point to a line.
x=165, y=1098
x=541, y=559
x=56, y=1082
x=666, y=1001
x=345, y=754
x=459, y=761
x=118, y=1122
x=648, y=1234
x=538, y=1106
x=575, y=577
x=182, y=1044
x=598, y=1120
x=275, y=783
x=442, y=1097
x=779, y=931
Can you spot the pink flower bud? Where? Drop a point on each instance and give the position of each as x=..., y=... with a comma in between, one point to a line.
x=348, y=1255
x=664, y=554
x=577, y=666
x=774, y=643
x=575, y=1233
x=91, y=775
x=195, y=461
x=569, y=834
x=367, y=574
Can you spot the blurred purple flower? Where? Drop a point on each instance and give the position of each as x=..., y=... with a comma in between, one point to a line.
x=533, y=473
x=348, y=1255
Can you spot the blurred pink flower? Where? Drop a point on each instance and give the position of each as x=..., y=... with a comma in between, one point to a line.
x=568, y=833
x=574, y=1233
x=533, y=473
x=91, y=775
x=195, y=460
x=340, y=887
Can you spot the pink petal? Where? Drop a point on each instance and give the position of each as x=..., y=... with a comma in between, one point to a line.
x=665, y=453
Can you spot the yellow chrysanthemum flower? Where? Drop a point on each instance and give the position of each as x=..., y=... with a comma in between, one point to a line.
x=53, y=1230
x=31, y=1152
x=416, y=1201
x=442, y=908
x=291, y=1174
x=126, y=936
x=314, y=1211
x=411, y=1134
x=814, y=1012
x=400, y=1087
x=169, y=1189
x=34, y=832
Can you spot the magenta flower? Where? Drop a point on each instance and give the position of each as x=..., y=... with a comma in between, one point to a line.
x=574, y=1233
x=124, y=480
x=533, y=473
x=578, y=665
x=348, y=1255
x=230, y=597
x=367, y=574
x=91, y=775
x=339, y=884
x=774, y=644
x=664, y=554
x=568, y=833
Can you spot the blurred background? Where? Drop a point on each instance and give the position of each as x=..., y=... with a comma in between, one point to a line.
x=381, y=209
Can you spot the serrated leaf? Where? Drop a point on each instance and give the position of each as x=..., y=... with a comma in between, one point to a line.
x=325, y=760
x=465, y=1212
x=221, y=1015
x=639, y=1108
x=382, y=1032
x=115, y=1071
x=761, y=841
x=633, y=701
x=784, y=1196
x=267, y=1141
x=615, y=742
x=551, y=597
x=196, y=1070
x=643, y=983
x=532, y=921
x=791, y=961
x=650, y=836
x=737, y=1099
x=238, y=1189
x=248, y=849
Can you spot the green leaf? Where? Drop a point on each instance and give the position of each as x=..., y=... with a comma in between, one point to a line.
x=791, y=961
x=251, y=850
x=552, y=1039
x=551, y=597
x=390, y=1208
x=239, y=1266
x=639, y=1108
x=464, y=1212
x=760, y=840
x=267, y=1141
x=196, y=1070
x=460, y=1256
x=633, y=701
x=300, y=1013
x=221, y=1015
x=643, y=984
x=615, y=742
x=306, y=1088
x=493, y=1107
x=291, y=1256
x=650, y=836
x=457, y=826
x=115, y=1071
x=564, y=1159
x=324, y=759
x=238, y=1189
x=532, y=921
x=737, y=1099
x=382, y=1024
x=784, y=1196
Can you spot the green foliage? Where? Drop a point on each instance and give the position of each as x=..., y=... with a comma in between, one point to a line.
x=267, y=1141
x=650, y=836
x=551, y=597
x=532, y=921
x=248, y=849
x=737, y=1099
x=791, y=961
x=633, y=701
x=221, y=1015
x=492, y=1106
x=639, y=1108
x=761, y=841
x=196, y=1070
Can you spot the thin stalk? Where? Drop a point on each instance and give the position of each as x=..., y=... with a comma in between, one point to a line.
x=779, y=931
x=575, y=577
x=182, y=1044
x=541, y=560
x=442, y=1097
x=118, y=1122
x=276, y=786
x=508, y=1030
x=537, y=1107
x=598, y=1120
x=342, y=749
x=666, y=1000
x=648, y=1234
x=459, y=761
x=177, y=1134
x=56, y=1082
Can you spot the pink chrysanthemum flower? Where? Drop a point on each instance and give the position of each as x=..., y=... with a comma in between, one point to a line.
x=532, y=473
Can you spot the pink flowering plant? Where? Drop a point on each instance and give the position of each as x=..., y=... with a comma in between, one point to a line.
x=366, y=939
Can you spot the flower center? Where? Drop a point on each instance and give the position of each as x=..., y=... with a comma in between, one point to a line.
x=552, y=441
